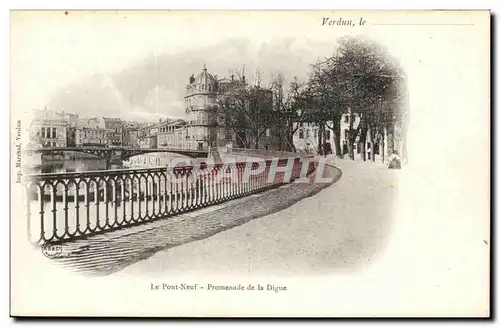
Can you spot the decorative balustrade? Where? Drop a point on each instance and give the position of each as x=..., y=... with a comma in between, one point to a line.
x=66, y=206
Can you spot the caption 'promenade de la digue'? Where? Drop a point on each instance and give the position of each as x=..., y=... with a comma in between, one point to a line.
x=284, y=175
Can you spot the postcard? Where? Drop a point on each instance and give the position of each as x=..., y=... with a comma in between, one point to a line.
x=250, y=163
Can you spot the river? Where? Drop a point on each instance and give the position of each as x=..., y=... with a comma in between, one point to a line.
x=81, y=163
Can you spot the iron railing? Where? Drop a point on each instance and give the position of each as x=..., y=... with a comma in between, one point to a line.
x=66, y=206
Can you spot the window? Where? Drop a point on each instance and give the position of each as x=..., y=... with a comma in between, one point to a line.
x=54, y=133
x=346, y=118
x=42, y=132
x=346, y=134
x=327, y=134
x=307, y=133
x=301, y=134
x=47, y=132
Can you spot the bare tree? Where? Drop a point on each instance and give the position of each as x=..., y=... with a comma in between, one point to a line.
x=290, y=107
x=246, y=109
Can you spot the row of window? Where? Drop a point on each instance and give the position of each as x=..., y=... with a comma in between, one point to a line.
x=91, y=134
x=204, y=87
x=48, y=132
x=201, y=119
x=201, y=87
x=52, y=144
x=169, y=129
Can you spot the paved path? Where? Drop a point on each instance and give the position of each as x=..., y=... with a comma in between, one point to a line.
x=340, y=227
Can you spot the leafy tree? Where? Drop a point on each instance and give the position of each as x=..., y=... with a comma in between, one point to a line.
x=329, y=101
x=359, y=78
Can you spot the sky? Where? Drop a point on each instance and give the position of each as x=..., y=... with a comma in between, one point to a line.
x=136, y=65
x=154, y=85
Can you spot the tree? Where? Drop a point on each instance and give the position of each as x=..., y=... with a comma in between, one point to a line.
x=247, y=110
x=359, y=78
x=290, y=108
x=329, y=94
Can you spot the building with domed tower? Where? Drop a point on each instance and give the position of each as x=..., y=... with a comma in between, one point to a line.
x=201, y=118
x=201, y=101
x=204, y=128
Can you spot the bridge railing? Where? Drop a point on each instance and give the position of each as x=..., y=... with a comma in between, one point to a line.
x=67, y=206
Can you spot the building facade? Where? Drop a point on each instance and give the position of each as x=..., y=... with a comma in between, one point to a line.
x=306, y=137
x=173, y=134
x=130, y=137
x=148, y=142
x=114, y=129
x=91, y=132
x=49, y=129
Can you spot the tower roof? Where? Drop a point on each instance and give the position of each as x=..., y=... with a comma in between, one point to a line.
x=206, y=79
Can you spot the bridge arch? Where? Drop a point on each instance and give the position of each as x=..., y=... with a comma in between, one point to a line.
x=185, y=153
x=123, y=153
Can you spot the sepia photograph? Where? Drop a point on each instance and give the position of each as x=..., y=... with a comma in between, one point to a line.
x=250, y=163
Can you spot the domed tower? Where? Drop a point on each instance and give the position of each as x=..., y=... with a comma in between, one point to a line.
x=201, y=115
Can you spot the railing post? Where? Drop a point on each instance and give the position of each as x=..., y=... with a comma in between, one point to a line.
x=123, y=202
x=97, y=203
x=164, y=206
x=139, y=197
x=65, y=200
x=41, y=194
x=147, y=195
x=106, y=204
x=54, y=210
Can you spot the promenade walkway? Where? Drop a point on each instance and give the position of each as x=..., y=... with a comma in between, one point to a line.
x=342, y=226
